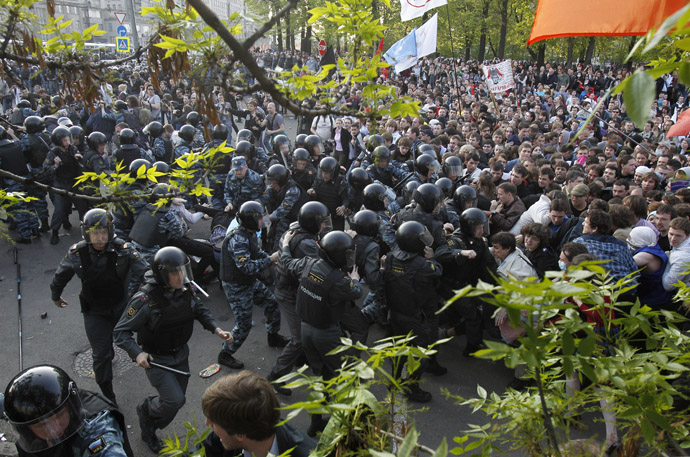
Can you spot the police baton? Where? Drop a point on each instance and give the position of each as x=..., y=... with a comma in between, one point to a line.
x=19, y=306
x=166, y=368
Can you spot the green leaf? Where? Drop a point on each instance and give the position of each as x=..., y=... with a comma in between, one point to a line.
x=683, y=44
x=647, y=430
x=441, y=450
x=638, y=97
x=568, y=343
x=409, y=443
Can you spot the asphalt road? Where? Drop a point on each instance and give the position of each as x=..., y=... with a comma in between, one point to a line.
x=60, y=339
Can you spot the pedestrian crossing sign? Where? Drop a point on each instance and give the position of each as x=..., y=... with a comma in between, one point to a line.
x=122, y=44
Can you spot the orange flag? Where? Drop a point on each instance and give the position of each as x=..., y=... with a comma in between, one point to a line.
x=556, y=18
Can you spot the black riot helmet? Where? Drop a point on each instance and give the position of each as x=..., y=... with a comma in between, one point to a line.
x=312, y=215
x=413, y=236
x=187, y=133
x=329, y=165
x=136, y=165
x=77, y=134
x=446, y=186
x=56, y=100
x=301, y=140
x=59, y=134
x=250, y=215
x=94, y=219
x=127, y=136
x=169, y=262
x=314, y=145
x=381, y=154
x=43, y=397
x=427, y=149
x=193, y=118
x=359, y=179
x=96, y=139
x=374, y=197
x=339, y=249
x=299, y=154
x=409, y=189
x=465, y=197
x=244, y=135
x=161, y=167
x=428, y=197
x=121, y=105
x=33, y=124
x=281, y=143
x=278, y=174
x=64, y=121
x=366, y=222
x=424, y=163
x=374, y=141
x=452, y=166
x=159, y=191
x=154, y=129
x=220, y=132
x=470, y=218
x=244, y=148
x=24, y=103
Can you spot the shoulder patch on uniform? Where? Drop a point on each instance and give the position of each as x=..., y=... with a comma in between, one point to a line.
x=241, y=259
x=73, y=248
x=352, y=284
x=311, y=172
x=131, y=311
x=451, y=242
x=433, y=268
x=97, y=445
x=316, y=278
x=398, y=270
x=126, y=245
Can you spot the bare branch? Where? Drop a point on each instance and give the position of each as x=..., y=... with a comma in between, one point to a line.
x=249, y=42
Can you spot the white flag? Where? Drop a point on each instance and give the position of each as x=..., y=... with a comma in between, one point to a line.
x=426, y=37
x=410, y=9
x=499, y=77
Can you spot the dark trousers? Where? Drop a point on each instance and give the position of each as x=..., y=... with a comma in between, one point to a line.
x=99, y=331
x=319, y=342
x=171, y=387
x=63, y=207
x=293, y=351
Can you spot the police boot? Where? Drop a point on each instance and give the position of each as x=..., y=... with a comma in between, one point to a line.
x=226, y=358
x=276, y=340
x=278, y=386
x=317, y=425
x=45, y=226
x=23, y=240
x=435, y=368
x=416, y=394
x=148, y=428
x=55, y=237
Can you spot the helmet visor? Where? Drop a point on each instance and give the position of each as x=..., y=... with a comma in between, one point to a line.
x=453, y=170
x=327, y=224
x=350, y=255
x=175, y=277
x=98, y=234
x=427, y=238
x=52, y=428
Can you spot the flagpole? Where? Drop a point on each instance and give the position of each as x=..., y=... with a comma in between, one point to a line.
x=495, y=103
x=452, y=48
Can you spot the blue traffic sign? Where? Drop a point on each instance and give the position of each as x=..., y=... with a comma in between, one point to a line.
x=122, y=44
x=122, y=30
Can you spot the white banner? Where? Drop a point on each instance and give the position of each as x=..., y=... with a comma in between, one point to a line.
x=499, y=77
x=410, y=9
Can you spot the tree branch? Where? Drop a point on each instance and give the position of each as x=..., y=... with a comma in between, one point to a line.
x=268, y=25
x=400, y=439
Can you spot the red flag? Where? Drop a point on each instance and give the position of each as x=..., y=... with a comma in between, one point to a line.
x=379, y=50
x=555, y=18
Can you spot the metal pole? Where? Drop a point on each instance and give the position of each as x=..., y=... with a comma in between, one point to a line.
x=620, y=132
x=167, y=368
x=452, y=47
x=19, y=307
x=133, y=23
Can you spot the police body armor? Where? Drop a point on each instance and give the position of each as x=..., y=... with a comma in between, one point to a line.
x=38, y=149
x=313, y=305
x=123, y=217
x=172, y=324
x=384, y=176
x=361, y=244
x=89, y=157
x=69, y=168
x=127, y=153
x=287, y=285
x=301, y=200
x=228, y=270
x=328, y=194
x=12, y=158
x=101, y=287
x=403, y=295
x=145, y=229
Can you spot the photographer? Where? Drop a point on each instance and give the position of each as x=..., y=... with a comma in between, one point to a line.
x=254, y=120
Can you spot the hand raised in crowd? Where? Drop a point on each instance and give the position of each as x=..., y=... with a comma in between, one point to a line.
x=290, y=234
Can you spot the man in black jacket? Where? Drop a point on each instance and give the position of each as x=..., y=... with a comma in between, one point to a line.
x=243, y=412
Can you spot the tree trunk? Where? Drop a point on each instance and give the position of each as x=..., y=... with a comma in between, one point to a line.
x=571, y=45
x=541, y=51
x=633, y=40
x=468, y=48
x=279, y=32
x=289, y=39
x=482, y=37
x=504, y=29
x=306, y=46
x=590, y=50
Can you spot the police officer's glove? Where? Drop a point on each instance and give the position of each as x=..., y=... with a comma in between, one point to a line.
x=371, y=312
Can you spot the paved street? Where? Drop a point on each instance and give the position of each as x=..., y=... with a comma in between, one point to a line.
x=60, y=339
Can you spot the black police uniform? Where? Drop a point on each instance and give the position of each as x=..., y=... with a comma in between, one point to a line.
x=164, y=321
x=66, y=174
x=103, y=296
x=323, y=294
x=332, y=194
x=304, y=178
x=303, y=244
x=415, y=212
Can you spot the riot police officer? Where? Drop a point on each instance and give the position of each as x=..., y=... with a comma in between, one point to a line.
x=12, y=160
x=129, y=150
x=162, y=314
x=53, y=417
x=426, y=167
x=375, y=199
x=303, y=172
x=194, y=119
x=95, y=159
x=312, y=221
x=242, y=185
x=102, y=262
x=466, y=259
x=254, y=161
x=382, y=170
x=283, y=198
x=281, y=151
x=410, y=278
x=325, y=290
x=427, y=205
x=330, y=188
x=78, y=138
x=314, y=147
x=187, y=134
x=161, y=147
x=242, y=260
x=221, y=163
x=36, y=145
x=358, y=179
x=452, y=169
